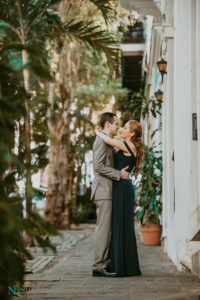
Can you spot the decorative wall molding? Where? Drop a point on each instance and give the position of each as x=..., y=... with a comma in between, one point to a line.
x=168, y=30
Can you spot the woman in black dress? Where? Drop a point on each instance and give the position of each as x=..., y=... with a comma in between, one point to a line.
x=123, y=247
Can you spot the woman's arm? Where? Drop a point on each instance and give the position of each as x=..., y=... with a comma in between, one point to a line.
x=113, y=142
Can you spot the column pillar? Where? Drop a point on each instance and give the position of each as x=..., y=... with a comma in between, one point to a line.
x=182, y=125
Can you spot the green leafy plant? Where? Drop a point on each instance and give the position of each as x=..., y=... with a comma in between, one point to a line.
x=13, y=252
x=140, y=105
x=148, y=206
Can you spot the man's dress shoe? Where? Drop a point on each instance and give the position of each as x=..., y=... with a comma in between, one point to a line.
x=103, y=272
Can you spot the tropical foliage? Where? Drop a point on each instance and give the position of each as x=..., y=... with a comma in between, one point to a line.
x=140, y=105
x=12, y=226
x=148, y=204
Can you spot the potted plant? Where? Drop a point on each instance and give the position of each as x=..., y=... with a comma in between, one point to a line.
x=148, y=206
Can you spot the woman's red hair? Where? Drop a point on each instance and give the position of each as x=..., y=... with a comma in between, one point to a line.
x=136, y=127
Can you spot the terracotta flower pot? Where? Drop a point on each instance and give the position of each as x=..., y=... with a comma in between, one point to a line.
x=151, y=234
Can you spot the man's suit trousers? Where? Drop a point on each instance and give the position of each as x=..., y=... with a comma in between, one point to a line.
x=102, y=233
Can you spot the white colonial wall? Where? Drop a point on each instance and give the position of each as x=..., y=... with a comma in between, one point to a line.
x=182, y=223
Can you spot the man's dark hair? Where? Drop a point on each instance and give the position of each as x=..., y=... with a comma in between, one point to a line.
x=107, y=116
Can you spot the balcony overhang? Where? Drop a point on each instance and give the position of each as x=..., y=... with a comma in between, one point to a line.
x=144, y=7
x=132, y=49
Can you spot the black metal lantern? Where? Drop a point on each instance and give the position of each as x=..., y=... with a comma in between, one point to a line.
x=162, y=65
x=159, y=95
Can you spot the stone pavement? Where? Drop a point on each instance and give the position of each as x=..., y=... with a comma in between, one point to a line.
x=68, y=276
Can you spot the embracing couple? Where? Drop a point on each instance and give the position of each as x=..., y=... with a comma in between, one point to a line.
x=113, y=193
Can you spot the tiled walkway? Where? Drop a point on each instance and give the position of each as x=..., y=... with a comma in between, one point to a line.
x=69, y=277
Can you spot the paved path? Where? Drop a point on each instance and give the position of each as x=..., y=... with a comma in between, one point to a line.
x=69, y=277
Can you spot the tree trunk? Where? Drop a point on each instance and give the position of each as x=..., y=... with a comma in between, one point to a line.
x=57, y=185
x=26, y=76
x=28, y=186
x=59, y=196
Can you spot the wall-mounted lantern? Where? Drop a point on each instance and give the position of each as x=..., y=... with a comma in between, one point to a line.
x=162, y=65
x=159, y=95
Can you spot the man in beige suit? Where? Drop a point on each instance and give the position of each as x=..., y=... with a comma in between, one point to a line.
x=102, y=193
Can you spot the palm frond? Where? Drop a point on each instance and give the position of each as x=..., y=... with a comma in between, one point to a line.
x=8, y=15
x=38, y=16
x=44, y=20
x=92, y=35
x=106, y=10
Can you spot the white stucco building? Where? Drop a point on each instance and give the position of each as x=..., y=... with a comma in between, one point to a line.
x=175, y=36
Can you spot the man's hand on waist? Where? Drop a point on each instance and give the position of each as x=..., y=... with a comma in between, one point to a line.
x=124, y=173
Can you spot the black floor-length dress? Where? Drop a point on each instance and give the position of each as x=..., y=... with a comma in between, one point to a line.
x=123, y=247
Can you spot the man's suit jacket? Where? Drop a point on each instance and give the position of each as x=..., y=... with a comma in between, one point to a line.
x=103, y=170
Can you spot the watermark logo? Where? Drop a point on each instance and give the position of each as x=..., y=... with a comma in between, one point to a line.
x=15, y=290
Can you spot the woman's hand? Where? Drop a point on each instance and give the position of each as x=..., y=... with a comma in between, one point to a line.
x=103, y=136
x=97, y=132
